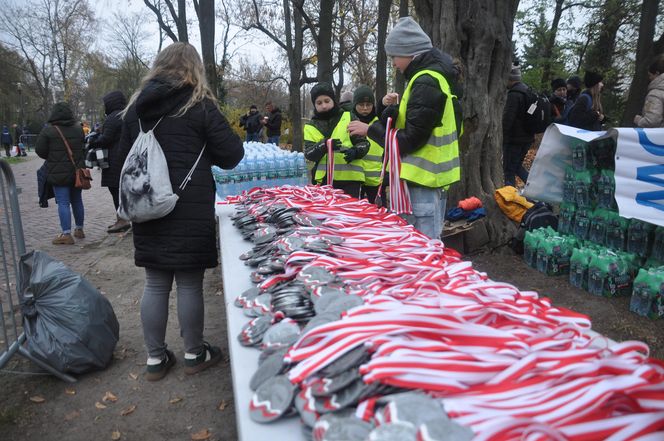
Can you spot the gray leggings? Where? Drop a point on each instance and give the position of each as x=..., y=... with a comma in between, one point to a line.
x=154, y=309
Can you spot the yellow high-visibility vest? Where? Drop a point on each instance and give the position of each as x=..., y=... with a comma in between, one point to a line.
x=373, y=162
x=343, y=171
x=436, y=164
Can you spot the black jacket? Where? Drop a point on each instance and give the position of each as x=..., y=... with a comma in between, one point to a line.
x=273, y=124
x=251, y=122
x=185, y=239
x=582, y=115
x=514, y=115
x=425, y=105
x=114, y=102
x=51, y=147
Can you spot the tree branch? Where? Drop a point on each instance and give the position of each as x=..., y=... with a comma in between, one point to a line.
x=160, y=20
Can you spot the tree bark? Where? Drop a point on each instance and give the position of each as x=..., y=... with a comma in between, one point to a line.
x=294, y=42
x=479, y=33
x=644, y=55
x=324, y=70
x=206, y=25
x=547, y=50
x=381, y=58
x=399, y=80
x=600, y=54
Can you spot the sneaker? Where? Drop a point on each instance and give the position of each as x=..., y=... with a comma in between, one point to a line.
x=63, y=239
x=210, y=356
x=155, y=372
x=79, y=234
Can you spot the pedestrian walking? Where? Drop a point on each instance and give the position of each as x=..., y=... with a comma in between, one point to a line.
x=6, y=140
x=54, y=141
x=176, y=102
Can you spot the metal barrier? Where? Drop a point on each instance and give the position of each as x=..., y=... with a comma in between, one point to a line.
x=12, y=247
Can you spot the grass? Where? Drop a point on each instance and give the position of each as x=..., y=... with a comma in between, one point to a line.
x=15, y=159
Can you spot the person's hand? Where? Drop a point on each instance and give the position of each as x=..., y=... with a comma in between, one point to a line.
x=358, y=128
x=390, y=99
x=336, y=144
x=350, y=154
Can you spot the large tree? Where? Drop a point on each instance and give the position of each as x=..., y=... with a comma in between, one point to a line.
x=479, y=33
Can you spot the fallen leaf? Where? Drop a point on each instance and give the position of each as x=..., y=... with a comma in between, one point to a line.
x=222, y=405
x=108, y=396
x=133, y=376
x=37, y=399
x=175, y=400
x=201, y=436
x=98, y=405
x=70, y=391
x=71, y=415
x=127, y=410
x=116, y=435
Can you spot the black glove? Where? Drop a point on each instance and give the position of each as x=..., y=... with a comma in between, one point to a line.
x=336, y=144
x=350, y=154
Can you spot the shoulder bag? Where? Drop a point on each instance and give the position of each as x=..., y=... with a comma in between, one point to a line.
x=82, y=177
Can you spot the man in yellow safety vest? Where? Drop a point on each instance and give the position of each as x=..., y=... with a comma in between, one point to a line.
x=427, y=120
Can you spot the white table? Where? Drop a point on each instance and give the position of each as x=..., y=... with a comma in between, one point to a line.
x=244, y=360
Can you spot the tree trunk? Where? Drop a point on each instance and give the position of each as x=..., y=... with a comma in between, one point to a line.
x=294, y=41
x=644, y=54
x=381, y=58
x=206, y=24
x=341, y=55
x=599, y=57
x=547, y=50
x=399, y=81
x=479, y=33
x=181, y=21
x=324, y=50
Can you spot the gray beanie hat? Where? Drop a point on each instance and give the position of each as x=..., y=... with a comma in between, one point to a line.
x=407, y=39
x=515, y=73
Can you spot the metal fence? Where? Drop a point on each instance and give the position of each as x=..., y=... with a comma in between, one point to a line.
x=12, y=247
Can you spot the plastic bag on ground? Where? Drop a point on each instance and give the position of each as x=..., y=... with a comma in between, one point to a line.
x=68, y=323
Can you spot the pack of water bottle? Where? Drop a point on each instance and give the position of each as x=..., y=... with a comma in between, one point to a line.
x=263, y=165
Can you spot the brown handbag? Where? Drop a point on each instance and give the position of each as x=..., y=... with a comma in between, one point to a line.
x=82, y=177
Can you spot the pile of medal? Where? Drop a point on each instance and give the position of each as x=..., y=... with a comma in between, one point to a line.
x=371, y=331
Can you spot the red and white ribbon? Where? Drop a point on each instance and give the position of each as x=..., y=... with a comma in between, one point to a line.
x=330, y=162
x=399, y=194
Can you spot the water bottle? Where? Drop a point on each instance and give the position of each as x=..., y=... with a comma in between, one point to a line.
x=641, y=302
x=282, y=167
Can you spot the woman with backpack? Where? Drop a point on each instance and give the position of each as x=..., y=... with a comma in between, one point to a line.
x=587, y=111
x=176, y=102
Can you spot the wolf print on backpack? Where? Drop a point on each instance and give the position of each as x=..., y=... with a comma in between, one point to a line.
x=145, y=186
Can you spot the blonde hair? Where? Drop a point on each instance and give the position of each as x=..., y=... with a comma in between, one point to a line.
x=179, y=65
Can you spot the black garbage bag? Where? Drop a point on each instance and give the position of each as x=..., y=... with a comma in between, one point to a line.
x=67, y=322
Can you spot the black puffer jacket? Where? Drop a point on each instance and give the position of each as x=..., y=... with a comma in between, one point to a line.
x=273, y=124
x=185, y=239
x=51, y=147
x=114, y=102
x=582, y=115
x=514, y=116
x=425, y=105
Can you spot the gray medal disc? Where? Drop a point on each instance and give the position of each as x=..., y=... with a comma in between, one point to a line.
x=271, y=367
x=281, y=334
x=246, y=296
x=252, y=332
x=350, y=359
x=271, y=400
x=347, y=429
x=343, y=304
x=394, y=432
x=323, y=304
x=415, y=408
x=329, y=386
x=444, y=429
x=309, y=416
x=262, y=305
x=320, y=319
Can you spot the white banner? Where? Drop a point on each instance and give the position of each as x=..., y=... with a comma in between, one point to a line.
x=640, y=174
x=547, y=173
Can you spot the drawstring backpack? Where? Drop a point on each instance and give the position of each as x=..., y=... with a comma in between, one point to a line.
x=145, y=186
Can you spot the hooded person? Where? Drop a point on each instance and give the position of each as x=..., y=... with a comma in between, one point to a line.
x=64, y=131
x=653, y=108
x=330, y=123
x=114, y=103
x=364, y=109
x=426, y=118
x=587, y=112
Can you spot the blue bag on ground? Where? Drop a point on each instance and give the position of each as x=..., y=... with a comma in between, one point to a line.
x=68, y=323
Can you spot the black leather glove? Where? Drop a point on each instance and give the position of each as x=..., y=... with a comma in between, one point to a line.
x=350, y=154
x=336, y=144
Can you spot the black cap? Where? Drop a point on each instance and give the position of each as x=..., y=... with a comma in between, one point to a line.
x=363, y=94
x=322, y=89
x=253, y=106
x=558, y=83
x=574, y=81
x=591, y=78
